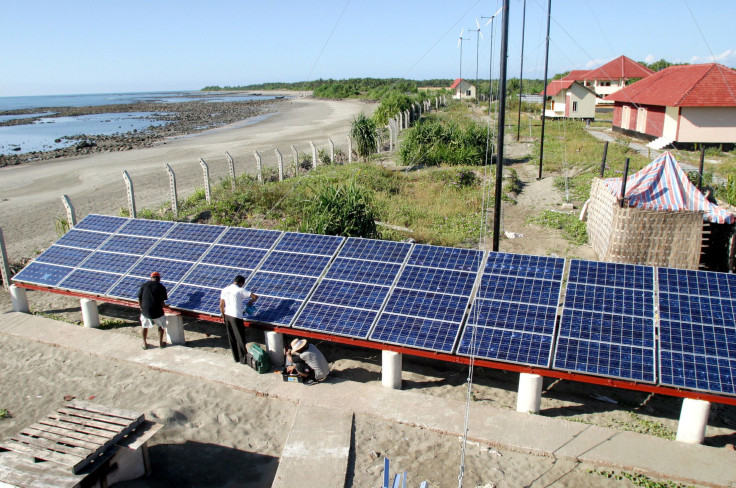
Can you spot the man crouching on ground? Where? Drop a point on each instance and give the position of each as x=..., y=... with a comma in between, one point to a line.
x=309, y=362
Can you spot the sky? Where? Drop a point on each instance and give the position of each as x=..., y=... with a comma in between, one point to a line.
x=80, y=46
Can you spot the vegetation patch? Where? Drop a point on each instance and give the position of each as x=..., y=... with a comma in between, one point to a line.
x=4, y=414
x=432, y=142
x=637, y=479
x=573, y=229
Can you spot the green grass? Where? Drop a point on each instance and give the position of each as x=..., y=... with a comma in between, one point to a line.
x=4, y=414
x=109, y=324
x=637, y=479
x=572, y=228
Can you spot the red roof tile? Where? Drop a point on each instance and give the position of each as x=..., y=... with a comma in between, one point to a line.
x=577, y=75
x=455, y=83
x=695, y=85
x=556, y=86
x=620, y=68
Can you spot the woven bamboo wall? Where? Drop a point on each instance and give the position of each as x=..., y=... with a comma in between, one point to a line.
x=634, y=235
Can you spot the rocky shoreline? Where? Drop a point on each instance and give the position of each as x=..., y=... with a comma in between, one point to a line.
x=184, y=118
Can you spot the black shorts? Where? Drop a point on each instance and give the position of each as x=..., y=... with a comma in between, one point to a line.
x=303, y=368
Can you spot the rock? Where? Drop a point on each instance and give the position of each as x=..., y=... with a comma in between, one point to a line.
x=85, y=143
x=374, y=455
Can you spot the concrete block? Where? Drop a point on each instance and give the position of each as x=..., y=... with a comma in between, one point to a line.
x=529, y=398
x=391, y=369
x=693, y=421
x=175, y=329
x=90, y=315
x=275, y=347
x=19, y=299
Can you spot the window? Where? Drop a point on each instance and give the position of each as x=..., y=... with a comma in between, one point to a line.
x=574, y=106
x=467, y=93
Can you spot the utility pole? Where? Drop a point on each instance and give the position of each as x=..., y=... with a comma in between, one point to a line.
x=501, y=124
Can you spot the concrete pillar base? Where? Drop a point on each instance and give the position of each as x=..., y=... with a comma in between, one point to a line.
x=90, y=316
x=19, y=299
x=693, y=420
x=391, y=369
x=275, y=347
x=175, y=329
x=529, y=398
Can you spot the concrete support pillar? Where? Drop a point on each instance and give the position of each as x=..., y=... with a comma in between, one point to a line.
x=131, y=195
x=693, y=420
x=206, y=176
x=175, y=329
x=401, y=120
x=71, y=216
x=275, y=348
x=231, y=169
x=332, y=151
x=259, y=166
x=90, y=316
x=529, y=398
x=391, y=369
x=172, y=188
x=280, y=160
x=314, y=154
x=19, y=299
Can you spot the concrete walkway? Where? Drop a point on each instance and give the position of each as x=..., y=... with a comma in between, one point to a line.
x=492, y=426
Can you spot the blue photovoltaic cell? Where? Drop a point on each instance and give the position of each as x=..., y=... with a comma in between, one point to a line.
x=89, y=281
x=279, y=285
x=525, y=266
x=605, y=359
x=523, y=290
x=128, y=244
x=146, y=228
x=42, y=274
x=354, y=295
x=236, y=257
x=111, y=262
x=697, y=341
x=309, y=243
x=335, y=320
x=295, y=264
x=128, y=287
x=255, y=238
x=65, y=256
x=611, y=274
x=422, y=333
x=621, y=301
x=82, y=239
x=375, y=250
x=213, y=276
x=196, y=299
x=169, y=269
x=196, y=232
x=606, y=327
x=437, y=280
x=513, y=316
x=185, y=251
x=274, y=310
x=506, y=345
x=101, y=223
x=363, y=271
x=445, y=257
x=436, y=306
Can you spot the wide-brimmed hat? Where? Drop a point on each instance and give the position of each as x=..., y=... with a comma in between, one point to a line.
x=155, y=274
x=298, y=344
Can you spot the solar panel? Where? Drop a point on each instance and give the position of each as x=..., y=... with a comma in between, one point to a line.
x=445, y=257
x=128, y=244
x=255, y=238
x=336, y=320
x=513, y=315
x=419, y=332
x=101, y=223
x=309, y=243
x=127, y=288
x=275, y=310
x=697, y=342
x=295, y=264
x=110, y=262
x=353, y=295
x=146, y=228
x=236, y=257
x=437, y=280
x=87, y=281
x=213, y=276
x=65, y=256
x=371, y=272
x=196, y=299
x=169, y=269
x=281, y=286
x=179, y=250
x=375, y=250
x=82, y=239
x=607, y=326
x=42, y=274
x=195, y=232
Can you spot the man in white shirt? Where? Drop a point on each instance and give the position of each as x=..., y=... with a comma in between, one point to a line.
x=232, y=303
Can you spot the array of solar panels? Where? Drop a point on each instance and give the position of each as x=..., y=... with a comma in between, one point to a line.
x=638, y=323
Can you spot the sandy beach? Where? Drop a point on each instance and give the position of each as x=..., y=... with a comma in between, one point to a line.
x=243, y=434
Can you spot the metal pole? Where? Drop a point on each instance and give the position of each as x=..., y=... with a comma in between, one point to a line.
x=700, y=171
x=623, y=182
x=206, y=175
x=605, y=155
x=501, y=124
x=521, y=71
x=231, y=169
x=544, y=98
x=131, y=196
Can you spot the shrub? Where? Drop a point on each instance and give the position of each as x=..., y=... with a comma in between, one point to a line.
x=340, y=211
x=432, y=142
x=391, y=104
x=363, y=133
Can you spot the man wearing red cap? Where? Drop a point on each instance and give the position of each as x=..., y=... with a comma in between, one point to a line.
x=151, y=297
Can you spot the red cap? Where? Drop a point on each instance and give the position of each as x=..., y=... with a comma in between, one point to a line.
x=155, y=274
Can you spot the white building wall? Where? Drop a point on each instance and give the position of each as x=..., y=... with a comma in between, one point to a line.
x=671, y=115
x=707, y=124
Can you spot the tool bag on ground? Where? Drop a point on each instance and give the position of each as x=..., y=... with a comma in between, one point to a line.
x=257, y=357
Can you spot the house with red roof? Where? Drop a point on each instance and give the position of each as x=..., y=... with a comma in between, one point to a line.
x=462, y=89
x=570, y=99
x=680, y=104
x=611, y=77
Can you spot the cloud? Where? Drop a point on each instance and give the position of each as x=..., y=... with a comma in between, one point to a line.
x=727, y=57
x=594, y=63
x=650, y=59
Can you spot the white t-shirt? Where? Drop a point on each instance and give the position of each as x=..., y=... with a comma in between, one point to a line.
x=235, y=297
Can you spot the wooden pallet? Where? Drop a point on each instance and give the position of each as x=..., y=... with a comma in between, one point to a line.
x=76, y=435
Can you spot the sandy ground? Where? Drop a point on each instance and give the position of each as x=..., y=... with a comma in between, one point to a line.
x=219, y=425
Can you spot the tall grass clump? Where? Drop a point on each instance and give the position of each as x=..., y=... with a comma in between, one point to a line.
x=363, y=133
x=340, y=210
x=432, y=143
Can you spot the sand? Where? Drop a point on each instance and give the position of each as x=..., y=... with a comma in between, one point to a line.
x=230, y=428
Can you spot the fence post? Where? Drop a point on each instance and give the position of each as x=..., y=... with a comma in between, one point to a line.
x=314, y=154
x=206, y=175
x=350, y=149
x=296, y=160
x=700, y=169
x=5, y=265
x=332, y=151
x=390, y=136
x=172, y=190
x=623, y=182
x=379, y=145
x=280, y=159
x=259, y=167
x=131, y=196
x=231, y=168
x=605, y=155
x=70, y=214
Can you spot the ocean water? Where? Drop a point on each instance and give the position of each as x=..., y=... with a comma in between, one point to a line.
x=49, y=132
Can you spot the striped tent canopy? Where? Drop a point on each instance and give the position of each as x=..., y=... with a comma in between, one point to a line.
x=663, y=185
